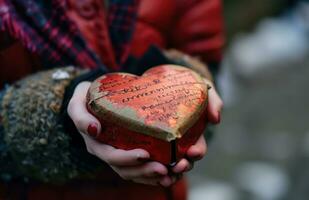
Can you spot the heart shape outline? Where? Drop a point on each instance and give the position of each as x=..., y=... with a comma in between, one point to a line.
x=106, y=99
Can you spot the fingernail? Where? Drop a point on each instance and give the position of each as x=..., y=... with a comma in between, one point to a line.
x=92, y=130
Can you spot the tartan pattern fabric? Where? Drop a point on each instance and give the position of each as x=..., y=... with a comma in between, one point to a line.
x=44, y=28
x=121, y=20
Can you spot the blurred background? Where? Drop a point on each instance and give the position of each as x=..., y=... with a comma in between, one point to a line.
x=260, y=150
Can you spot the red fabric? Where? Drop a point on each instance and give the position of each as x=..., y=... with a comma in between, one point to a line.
x=193, y=26
x=97, y=191
x=88, y=16
x=11, y=58
x=48, y=33
x=199, y=29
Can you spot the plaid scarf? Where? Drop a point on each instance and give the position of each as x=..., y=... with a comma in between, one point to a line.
x=44, y=28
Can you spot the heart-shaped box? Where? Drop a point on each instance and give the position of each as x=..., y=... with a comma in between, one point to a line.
x=163, y=111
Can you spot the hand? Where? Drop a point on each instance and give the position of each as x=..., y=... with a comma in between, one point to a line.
x=214, y=105
x=130, y=165
x=199, y=149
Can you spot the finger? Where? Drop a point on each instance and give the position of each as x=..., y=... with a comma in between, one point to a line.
x=198, y=150
x=110, y=155
x=214, y=106
x=191, y=166
x=146, y=170
x=167, y=181
x=77, y=110
x=119, y=157
x=90, y=143
x=182, y=166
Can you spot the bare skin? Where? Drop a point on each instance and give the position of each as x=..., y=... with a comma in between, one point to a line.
x=133, y=165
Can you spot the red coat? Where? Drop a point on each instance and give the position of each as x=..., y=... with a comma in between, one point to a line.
x=193, y=26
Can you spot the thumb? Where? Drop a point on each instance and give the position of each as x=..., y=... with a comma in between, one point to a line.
x=214, y=106
x=84, y=121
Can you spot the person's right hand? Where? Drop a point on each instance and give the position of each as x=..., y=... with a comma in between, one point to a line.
x=130, y=165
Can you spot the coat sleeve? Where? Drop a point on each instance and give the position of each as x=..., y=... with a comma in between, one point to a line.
x=191, y=26
x=7, y=166
x=198, y=29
